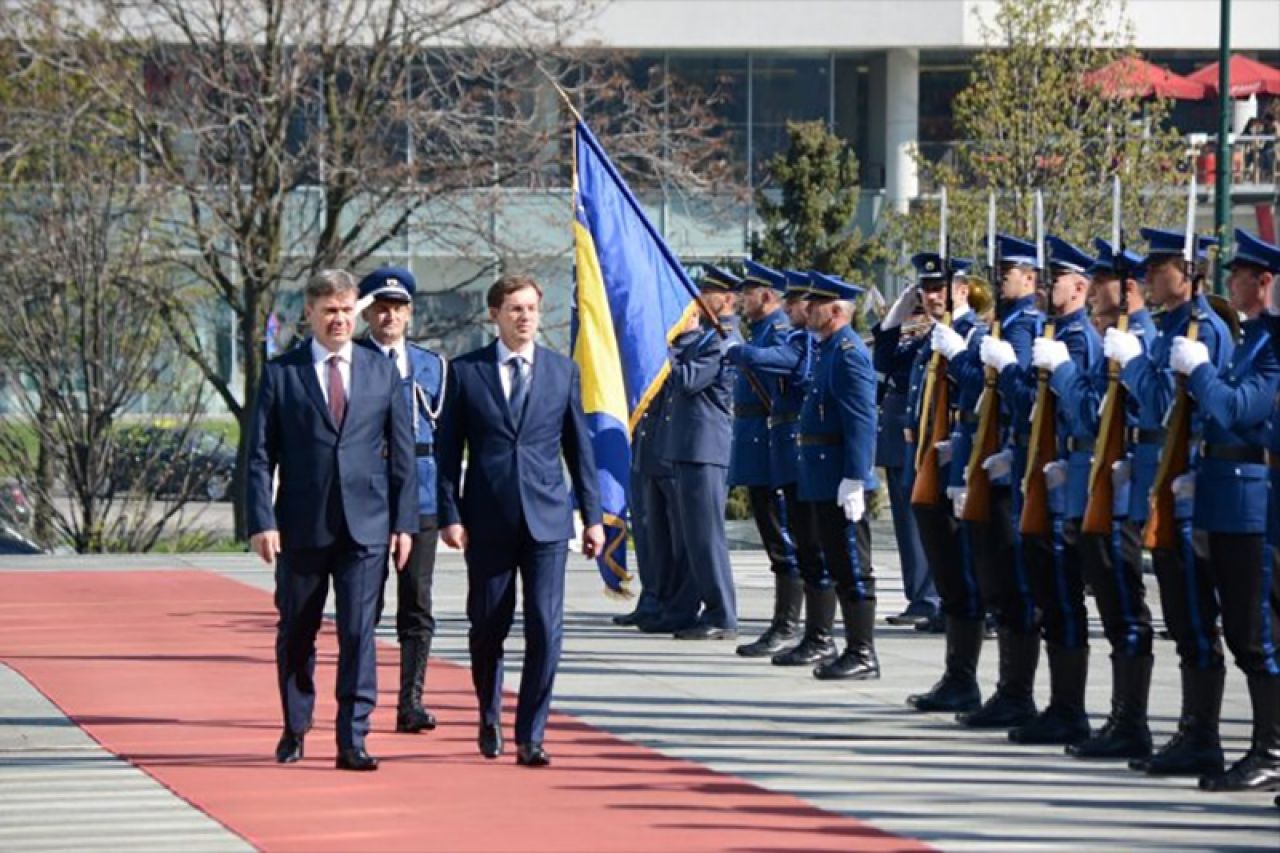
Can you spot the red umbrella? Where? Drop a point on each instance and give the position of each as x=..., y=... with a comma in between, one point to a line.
x=1134, y=77
x=1247, y=76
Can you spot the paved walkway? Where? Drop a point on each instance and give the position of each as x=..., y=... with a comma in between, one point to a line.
x=851, y=749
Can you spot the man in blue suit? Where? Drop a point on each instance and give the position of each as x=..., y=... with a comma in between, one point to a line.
x=387, y=294
x=331, y=421
x=515, y=408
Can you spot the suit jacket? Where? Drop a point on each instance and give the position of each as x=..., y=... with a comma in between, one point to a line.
x=514, y=472
x=363, y=472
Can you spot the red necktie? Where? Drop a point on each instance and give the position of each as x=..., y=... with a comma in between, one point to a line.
x=337, y=395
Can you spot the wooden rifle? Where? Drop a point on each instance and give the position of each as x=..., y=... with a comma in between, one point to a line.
x=1108, y=449
x=1035, y=520
x=986, y=438
x=935, y=402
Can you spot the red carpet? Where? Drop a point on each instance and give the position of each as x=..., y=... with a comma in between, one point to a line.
x=174, y=671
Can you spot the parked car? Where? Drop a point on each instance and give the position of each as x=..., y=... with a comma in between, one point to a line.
x=163, y=461
x=13, y=542
x=15, y=509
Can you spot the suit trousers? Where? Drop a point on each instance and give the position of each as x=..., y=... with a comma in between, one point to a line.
x=846, y=548
x=947, y=544
x=701, y=492
x=917, y=581
x=1188, y=600
x=302, y=584
x=492, y=570
x=1002, y=574
x=769, y=508
x=1113, y=567
x=1057, y=582
x=1243, y=569
x=672, y=577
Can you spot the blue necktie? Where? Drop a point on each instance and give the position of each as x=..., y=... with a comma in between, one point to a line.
x=519, y=389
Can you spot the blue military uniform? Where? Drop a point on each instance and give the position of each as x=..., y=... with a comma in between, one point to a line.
x=837, y=445
x=698, y=445
x=422, y=379
x=1232, y=486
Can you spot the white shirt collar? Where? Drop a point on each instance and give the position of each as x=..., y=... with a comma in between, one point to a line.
x=525, y=352
x=319, y=353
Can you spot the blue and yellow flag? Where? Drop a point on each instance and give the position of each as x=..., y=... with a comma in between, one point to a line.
x=632, y=297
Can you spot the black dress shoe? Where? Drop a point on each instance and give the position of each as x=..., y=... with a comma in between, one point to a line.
x=661, y=625
x=707, y=632
x=532, y=755
x=490, y=740
x=935, y=624
x=289, y=749
x=356, y=759
x=414, y=720
x=910, y=616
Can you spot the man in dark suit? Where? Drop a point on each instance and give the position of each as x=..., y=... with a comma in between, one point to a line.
x=331, y=420
x=516, y=408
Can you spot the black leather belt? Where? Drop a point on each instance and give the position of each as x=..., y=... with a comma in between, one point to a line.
x=779, y=420
x=964, y=416
x=424, y=450
x=1133, y=435
x=828, y=440
x=749, y=410
x=1234, y=453
x=1078, y=445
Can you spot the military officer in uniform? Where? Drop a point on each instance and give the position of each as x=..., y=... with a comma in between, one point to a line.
x=750, y=465
x=893, y=354
x=998, y=551
x=788, y=366
x=697, y=444
x=1195, y=749
x=837, y=451
x=1230, y=489
x=387, y=297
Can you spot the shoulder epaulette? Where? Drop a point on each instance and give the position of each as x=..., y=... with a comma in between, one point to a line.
x=846, y=345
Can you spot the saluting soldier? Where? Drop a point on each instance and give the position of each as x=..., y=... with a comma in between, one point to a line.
x=998, y=551
x=698, y=444
x=1073, y=360
x=1113, y=563
x=762, y=290
x=947, y=542
x=788, y=365
x=1195, y=748
x=387, y=294
x=896, y=340
x=837, y=451
x=1230, y=487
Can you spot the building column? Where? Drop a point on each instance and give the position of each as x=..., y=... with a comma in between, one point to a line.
x=901, y=125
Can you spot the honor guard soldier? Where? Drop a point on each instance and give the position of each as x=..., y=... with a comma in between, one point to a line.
x=387, y=297
x=1195, y=748
x=788, y=366
x=698, y=447
x=762, y=291
x=998, y=552
x=1230, y=487
x=896, y=340
x=837, y=452
x=1113, y=560
x=1073, y=361
x=946, y=541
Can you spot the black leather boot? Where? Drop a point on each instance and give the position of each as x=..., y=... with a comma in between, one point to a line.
x=1194, y=749
x=1012, y=704
x=819, y=617
x=858, y=662
x=788, y=598
x=1125, y=733
x=411, y=717
x=1259, y=770
x=1064, y=720
x=957, y=690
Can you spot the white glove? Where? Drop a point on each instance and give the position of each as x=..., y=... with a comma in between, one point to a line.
x=1121, y=347
x=998, y=465
x=1121, y=471
x=850, y=498
x=944, y=452
x=901, y=308
x=1184, y=487
x=1055, y=475
x=958, y=495
x=996, y=353
x=947, y=341
x=1186, y=355
x=1049, y=355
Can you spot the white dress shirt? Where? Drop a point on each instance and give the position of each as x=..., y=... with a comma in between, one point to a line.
x=402, y=356
x=320, y=356
x=504, y=371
